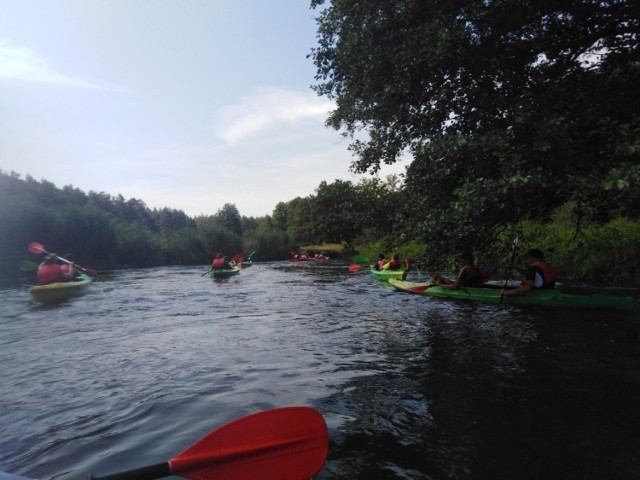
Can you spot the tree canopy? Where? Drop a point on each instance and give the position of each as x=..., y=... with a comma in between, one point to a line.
x=508, y=109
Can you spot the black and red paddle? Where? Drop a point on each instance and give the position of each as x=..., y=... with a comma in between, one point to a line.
x=287, y=443
x=35, y=247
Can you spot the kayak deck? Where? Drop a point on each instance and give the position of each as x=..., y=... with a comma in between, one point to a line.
x=386, y=275
x=60, y=291
x=543, y=298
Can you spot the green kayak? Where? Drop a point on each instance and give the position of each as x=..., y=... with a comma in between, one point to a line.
x=385, y=275
x=224, y=272
x=60, y=291
x=543, y=298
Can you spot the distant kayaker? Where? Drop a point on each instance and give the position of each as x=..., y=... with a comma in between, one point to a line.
x=220, y=262
x=539, y=274
x=469, y=275
x=52, y=270
x=393, y=264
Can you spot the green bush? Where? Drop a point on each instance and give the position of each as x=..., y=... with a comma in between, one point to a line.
x=596, y=254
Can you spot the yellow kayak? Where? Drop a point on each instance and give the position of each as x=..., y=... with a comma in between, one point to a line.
x=60, y=291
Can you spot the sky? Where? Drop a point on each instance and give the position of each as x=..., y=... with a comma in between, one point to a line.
x=184, y=104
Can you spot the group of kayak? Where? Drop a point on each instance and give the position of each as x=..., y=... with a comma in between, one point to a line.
x=303, y=257
x=60, y=279
x=537, y=288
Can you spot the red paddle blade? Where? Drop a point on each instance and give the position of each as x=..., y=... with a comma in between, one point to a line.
x=288, y=443
x=354, y=267
x=418, y=288
x=35, y=247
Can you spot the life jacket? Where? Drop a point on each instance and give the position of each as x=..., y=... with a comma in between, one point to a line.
x=49, y=273
x=548, y=274
x=218, y=263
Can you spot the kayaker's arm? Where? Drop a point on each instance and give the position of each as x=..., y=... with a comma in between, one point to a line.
x=525, y=287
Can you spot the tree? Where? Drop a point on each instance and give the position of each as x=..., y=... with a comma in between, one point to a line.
x=301, y=217
x=228, y=217
x=338, y=208
x=380, y=202
x=509, y=109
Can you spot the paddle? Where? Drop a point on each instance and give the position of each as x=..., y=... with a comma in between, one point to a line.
x=511, y=263
x=35, y=247
x=419, y=288
x=354, y=267
x=208, y=271
x=287, y=443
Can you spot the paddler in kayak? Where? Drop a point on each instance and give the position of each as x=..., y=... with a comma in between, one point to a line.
x=539, y=274
x=220, y=263
x=53, y=270
x=468, y=276
x=393, y=264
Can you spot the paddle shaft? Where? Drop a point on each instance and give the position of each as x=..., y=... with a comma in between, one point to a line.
x=511, y=263
x=150, y=472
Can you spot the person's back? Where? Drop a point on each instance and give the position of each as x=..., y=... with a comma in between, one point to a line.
x=394, y=264
x=219, y=262
x=50, y=271
x=471, y=276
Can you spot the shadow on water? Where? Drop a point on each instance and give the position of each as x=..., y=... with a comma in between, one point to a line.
x=411, y=387
x=480, y=392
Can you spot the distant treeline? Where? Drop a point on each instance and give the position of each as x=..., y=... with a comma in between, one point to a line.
x=105, y=231
x=110, y=231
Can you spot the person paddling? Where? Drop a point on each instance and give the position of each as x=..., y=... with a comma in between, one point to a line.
x=539, y=275
x=220, y=263
x=53, y=270
x=393, y=264
x=469, y=275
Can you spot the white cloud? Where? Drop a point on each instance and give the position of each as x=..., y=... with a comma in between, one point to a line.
x=267, y=107
x=20, y=63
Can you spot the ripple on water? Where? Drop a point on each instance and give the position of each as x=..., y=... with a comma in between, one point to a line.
x=411, y=387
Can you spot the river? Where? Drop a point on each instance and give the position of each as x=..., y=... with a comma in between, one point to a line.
x=410, y=387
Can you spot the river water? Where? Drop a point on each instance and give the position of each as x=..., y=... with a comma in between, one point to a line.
x=411, y=387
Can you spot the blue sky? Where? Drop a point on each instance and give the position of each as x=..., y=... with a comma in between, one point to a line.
x=187, y=104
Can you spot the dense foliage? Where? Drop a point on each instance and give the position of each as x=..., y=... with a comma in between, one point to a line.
x=509, y=109
x=103, y=231
x=106, y=230
x=111, y=231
